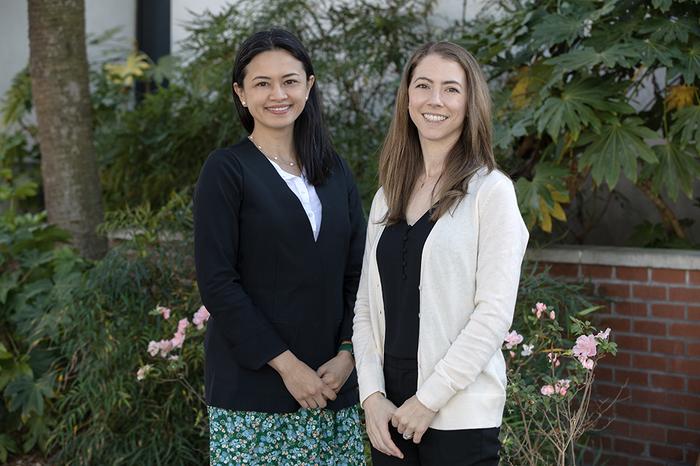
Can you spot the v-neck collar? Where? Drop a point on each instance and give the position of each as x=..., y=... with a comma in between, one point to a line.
x=273, y=172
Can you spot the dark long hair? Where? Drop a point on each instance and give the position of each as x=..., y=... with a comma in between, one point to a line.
x=311, y=140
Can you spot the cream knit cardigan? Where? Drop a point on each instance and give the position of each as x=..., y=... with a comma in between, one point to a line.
x=470, y=269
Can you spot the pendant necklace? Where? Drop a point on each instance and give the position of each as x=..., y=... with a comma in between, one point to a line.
x=273, y=157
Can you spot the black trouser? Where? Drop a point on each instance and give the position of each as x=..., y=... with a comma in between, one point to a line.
x=467, y=447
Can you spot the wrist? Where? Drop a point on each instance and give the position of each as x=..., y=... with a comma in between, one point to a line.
x=284, y=363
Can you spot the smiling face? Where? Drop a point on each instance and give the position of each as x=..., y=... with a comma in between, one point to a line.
x=437, y=99
x=275, y=89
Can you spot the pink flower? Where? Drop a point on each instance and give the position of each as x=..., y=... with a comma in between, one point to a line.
x=153, y=348
x=200, y=317
x=603, y=335
x=512, y=339
x=512, y=354
x=539, y=309
x=164, y=311
x=182, y=325
x=165, y=347
x=547, y=390
x=143, y=372
x=553, y=359
x=178, y=339
x=562, y=386
x=552, y=315
x=585, y=346
x=588, y=364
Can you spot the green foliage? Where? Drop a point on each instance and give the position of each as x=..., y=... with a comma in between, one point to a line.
x=602, y=89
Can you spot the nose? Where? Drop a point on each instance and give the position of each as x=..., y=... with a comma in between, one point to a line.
x=278, y=92
x=435, y=98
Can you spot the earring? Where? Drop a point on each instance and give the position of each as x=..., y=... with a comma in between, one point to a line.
x=243, y=102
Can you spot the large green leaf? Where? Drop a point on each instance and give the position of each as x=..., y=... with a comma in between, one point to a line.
x=617, y=148
x=688, y=62
x=678, y=168
x=686, y=126
x=669, y=29
x=546, y=184
x=553, y=29
x=623, y=54
x=574, y=108
x=27, y=394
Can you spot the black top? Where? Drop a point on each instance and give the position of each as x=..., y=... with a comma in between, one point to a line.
x=268, y=285
x=399, y=259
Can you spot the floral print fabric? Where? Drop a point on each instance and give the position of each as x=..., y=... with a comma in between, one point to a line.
x=305, y=437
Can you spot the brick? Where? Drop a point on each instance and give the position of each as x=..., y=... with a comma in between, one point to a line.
x=692, y=456
x=617, y=324
x=666, y=452
x=620, y=359
x=684, y=401
x=597, y=271
x=648, y=361
x=667, y=417
x=670, y=382
x=645, y=431
x=617, y=428
x=631, y=377
x=638, y=462
x=604, y=374
x=644, y=396
x=611, y=391
x=632, y=342
x=671, y=311
x=694, y=312
x=694, y=277
x=628, y=446
x=682, y=437
x=649, y=292
x=610, y=459
x=637, y=274
x=565, y=270
x=693, y=385
x=633, y=412
x=661, y=345
x=689, y=367
x=630, y=309
x=668, y=275
x=684, y=295
x=685, y=330
x=692, y=349
x=692, y=421
x=613, y=290
x=649, y=327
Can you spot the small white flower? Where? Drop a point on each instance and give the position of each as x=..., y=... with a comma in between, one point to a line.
x=143, y=372
x=587, y=25
x=527, y=350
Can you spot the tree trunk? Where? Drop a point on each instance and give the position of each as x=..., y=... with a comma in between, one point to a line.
x=60, y=89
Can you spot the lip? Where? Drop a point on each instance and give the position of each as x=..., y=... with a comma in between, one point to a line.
x=279, y=109
x=434, y=117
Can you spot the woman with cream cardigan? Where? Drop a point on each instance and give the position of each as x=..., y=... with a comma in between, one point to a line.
x=445, y=243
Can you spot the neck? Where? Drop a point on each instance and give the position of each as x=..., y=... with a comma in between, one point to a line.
x=278, y=142
x=435, y=155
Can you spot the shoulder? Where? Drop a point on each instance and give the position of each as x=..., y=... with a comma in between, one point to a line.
x=379, y=206
x=486, y=183
x=229, y=160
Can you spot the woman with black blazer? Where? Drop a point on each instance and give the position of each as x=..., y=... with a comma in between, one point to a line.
x=279, y=239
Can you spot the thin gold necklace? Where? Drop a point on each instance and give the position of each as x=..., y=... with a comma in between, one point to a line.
x=273, y=157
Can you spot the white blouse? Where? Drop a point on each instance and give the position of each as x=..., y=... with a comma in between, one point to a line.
x=306, y=193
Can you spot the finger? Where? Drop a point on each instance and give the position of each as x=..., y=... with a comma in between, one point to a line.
x=395, y=421
x=311, y=403
x=389, y=444
x=320, y=401
x=328, y=393
x=304, y=404
x=417, y=436
x=322, y=371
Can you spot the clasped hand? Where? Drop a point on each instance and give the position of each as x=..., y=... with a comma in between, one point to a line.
x=313, y=389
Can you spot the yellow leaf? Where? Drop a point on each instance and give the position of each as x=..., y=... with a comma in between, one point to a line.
x=124, y=73
x=558, y=213
x=519, y=94
x=558, y=196
x=680, y=96
x=545, y=218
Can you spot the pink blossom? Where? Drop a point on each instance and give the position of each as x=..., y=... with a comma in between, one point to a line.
x=588, y=364
x=585, y=346
x=512, y=354
x=562, y=386
x=143, y=372
x=547, y=390
x=182, y=325
x=603, y=335
x=178, y=339
x=153, y=348
x=200, y=317
x=552, y=315
x=164, y=311
x=553, y=359
x=165, y=347
x=539, y=309
x=512, y=339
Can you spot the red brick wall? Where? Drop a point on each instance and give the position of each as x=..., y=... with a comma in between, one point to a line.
x=654, y=314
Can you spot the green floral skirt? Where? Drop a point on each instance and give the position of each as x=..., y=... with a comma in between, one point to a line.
x=306, y=437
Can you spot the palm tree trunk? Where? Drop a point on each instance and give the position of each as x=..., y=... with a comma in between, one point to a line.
x=60, y=89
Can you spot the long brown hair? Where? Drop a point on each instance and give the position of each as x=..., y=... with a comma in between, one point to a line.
x=401, y=159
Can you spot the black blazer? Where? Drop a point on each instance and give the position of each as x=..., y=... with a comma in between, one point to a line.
x=267, y=284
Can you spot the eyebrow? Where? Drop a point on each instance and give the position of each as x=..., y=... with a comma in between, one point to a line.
x=444, y=82
x=285, y=76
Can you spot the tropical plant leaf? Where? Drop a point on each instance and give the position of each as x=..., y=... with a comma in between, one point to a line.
x=669, y=29
x=677, y=170
x=553, y=29
x=540, y=200
x=686, y=126
x=7, y=446
x=27, y=394
x=688, y=62
x=618, y=148
x=622, y=54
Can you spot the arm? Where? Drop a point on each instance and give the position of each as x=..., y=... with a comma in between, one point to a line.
x=502, y=241
x=217, y=201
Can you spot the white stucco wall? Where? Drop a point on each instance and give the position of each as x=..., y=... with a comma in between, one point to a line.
x=100, y=16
